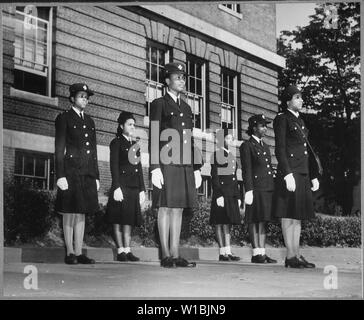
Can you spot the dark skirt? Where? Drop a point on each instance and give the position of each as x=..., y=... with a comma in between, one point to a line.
x=126, y=212
x=228, y=214
x=80, y=197
x=179, y=189
x=294, y=205
x=261, y=208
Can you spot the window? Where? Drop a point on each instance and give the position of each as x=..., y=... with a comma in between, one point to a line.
x=157, y=57
x=229, y=100
x=32, y=57
x=196, y=91
x=35, y=169
x=232, y=8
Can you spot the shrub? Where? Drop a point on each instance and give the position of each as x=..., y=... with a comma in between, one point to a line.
x=28, y=213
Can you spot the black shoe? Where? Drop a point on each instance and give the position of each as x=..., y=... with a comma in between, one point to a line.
x=84, y=260
x=180, y=262
x=70, y=259
x=293, y=263
x=131, y=257
x=233, y=258
x=258, y=259
x=223, y=257
x=269, y=260
x=305, y=263
x=167, y=262
x=121, y=257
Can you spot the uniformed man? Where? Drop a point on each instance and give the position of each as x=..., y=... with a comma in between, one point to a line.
x=76, y=170
x=297, y=176
x=175, y=171
x=257, y=172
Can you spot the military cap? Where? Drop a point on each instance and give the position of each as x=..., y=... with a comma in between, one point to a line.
x=76, y=87
x=174, y=67
x=257, y=119
x=289, y=92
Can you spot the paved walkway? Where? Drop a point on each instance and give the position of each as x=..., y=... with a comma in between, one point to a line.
x=209, y=279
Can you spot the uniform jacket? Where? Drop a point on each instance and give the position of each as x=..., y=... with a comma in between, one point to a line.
x=123, y=172
x=223, y=173
x=291, y=148
x=256, y=166
x=75, y=145
x=169, y=115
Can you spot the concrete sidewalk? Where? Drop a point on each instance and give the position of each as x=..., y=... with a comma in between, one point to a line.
x=347, y=258
x=147, y=280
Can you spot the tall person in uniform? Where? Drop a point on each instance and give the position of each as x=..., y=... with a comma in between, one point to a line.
x=76, y=170
x=258, y=181
x=174, y=181
x=225, y=205
x=127, y=190
x=297, y=175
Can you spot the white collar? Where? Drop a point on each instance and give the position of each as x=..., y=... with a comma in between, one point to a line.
x=295, y=113
x=227, y=150
x=256, y=138
x=126, y=137
x=174, y=97
x=77, y=111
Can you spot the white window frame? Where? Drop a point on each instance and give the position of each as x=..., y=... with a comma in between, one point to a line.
x=227, y=106
x=157, y=86
x=48, y=73
x=190, y=96
x=47, y=168
x=233, y=11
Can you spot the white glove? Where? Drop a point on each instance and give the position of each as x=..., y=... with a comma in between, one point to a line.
x=141, y=197
x=249, y=197
x=157, y=178
x=239, y=203
x=62, y=183
x=97, y=185
x=220, y=201
x=290, y=182
x=315, y=184
x=118, y=195
x=198, y=178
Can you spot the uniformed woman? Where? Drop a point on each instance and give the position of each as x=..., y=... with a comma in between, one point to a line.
x=174, y=166
x=127, y=190
x=76, y=170
x=225, y=205
x=258, y=181
x=297, y=176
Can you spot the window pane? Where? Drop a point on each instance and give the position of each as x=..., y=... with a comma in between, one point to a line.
x=28, y=165
x=154, y=55
x=224, y=80
x=18, y=164
x=161, y=57
x=199, y=87
x=192, y=69
x=160, y=74
x=199, y=71
x=192, y=85
x=148, y=54
x=225, y=95
x=231, y=82
x=40, y=167
x=148, y=72
x=154, y=72
x=231, y=97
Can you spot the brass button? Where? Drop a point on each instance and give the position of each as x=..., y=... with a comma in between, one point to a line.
x=267, y=165
x=84, y=126
x=303, y=127
x=181, y=114
x=74, y=127
x=86, y=135
x=255, y=177
x=71, y=156
x=266, y=160
x=136, y=170
x=88, y=151
x=305, y=152
x=183, y=123
x=87, y=143
x=305, y=144
x=184, y=132
x=291, y=154
x=269, y=172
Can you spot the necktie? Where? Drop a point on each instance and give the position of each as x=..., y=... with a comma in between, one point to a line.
x=179, y=102
x=81, y=115
x=261, y=143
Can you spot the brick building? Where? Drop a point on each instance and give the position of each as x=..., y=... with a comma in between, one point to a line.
x=229, y=51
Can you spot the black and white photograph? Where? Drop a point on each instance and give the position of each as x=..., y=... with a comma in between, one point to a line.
x=181, y=150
